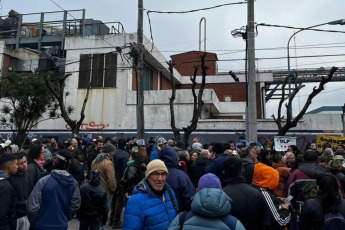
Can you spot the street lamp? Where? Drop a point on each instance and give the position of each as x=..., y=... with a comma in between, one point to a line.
x=337, y=22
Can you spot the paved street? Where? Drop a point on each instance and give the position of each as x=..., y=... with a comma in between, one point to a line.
x=74, y=225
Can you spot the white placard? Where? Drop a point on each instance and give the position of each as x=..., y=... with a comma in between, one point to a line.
x=282, y=143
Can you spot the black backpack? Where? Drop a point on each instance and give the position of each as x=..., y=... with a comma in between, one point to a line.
x=334, y=221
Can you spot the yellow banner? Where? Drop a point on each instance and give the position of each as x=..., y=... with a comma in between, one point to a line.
x=334, y=141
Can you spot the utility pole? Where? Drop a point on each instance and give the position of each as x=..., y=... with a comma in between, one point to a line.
x=140, y=71
x=251, y=132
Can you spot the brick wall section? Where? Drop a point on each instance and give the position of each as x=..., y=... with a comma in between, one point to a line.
x=185, y=62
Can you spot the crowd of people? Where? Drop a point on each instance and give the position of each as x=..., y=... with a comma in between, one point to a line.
x=166, y=184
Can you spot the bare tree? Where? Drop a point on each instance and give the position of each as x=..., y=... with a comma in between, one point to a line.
x=292, y=122
x=58, y=90
x=197, y=100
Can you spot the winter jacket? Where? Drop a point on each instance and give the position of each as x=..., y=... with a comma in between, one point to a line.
x=91, y=154
x=34, y=171
x=134, y=173
x=54, y=200
x=248, y=166
x=154, y=154
x=312, y=216
x=210, y=210
x=198, y=169
x=22, y=186
x=340, y=176
x=302, y=184
x=283, y=176
x=177, y=179
x=105, y=166
x=121, y=158
x=216, y=166
x=266, y=180
x=246, y=199
x=93, y=203
x=76, y=169
x=7, y=202
x=145, y=210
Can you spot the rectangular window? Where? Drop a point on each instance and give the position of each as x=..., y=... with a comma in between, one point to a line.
x=101, y=68
x=148, y=78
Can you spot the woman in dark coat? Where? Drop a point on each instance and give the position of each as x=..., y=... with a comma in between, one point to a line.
x=76, y=166
x=35, y=169
x=134, y=172
x=328, y=200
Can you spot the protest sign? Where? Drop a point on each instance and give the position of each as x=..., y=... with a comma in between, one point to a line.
x=282, y=143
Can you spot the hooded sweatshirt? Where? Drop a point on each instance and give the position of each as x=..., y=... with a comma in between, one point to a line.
x=54, y=200
x=177, y=179
x=266, y=180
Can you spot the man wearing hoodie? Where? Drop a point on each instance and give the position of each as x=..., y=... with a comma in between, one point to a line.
x=302, y=183
x=210, y=208
x=8, y=166
x=266, y=180
x=161, y=142
x=55, y=198
x=178, y=179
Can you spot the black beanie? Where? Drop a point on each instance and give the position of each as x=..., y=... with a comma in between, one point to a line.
x=217, y=148
x=94, y=177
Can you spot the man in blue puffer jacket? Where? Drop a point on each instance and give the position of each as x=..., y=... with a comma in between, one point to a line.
x=153, y=205
x=210, y=208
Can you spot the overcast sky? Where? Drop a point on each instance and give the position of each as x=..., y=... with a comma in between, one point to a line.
x=177, y=33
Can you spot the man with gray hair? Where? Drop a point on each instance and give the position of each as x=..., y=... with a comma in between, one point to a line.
x=328, y=154
x=249, y=160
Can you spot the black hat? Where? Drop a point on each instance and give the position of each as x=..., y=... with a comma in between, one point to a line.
x=7, y=158
x=94, y=177
x=217, y=148
x=310, y=155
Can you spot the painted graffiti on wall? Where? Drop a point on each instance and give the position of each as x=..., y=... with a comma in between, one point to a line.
x=90, y=126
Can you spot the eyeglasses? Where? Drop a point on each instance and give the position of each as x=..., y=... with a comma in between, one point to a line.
x=156, y=175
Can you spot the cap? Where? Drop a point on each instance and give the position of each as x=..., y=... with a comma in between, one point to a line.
x=161, y=141
x=195, y=140
x=108, y=148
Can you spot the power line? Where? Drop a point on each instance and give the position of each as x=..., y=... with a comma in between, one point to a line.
x=184, y=12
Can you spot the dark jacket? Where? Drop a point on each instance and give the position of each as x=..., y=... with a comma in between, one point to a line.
x=134, y=173
x=34, y=171
x=22, y=186
x=7, y=203
x=216, y=166
x=76, y=169
x=280, y=217
x=93, y=203
x=198, y=169
x=120, y=163
x=90, y=156
x=177, y=179
x=340, y=176
x=247, y=199
x=248, y=166
x=312, y=216
x=302, y=184
x=146, y=210
x=210, y=210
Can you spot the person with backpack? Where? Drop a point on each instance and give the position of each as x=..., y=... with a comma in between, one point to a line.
x=327, y=210
x=210, y=208
x=93, y=210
